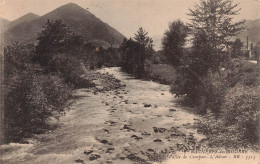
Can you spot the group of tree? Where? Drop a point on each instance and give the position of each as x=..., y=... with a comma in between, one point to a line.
x=208, y=73
x=135, y=52
x=39, y=78
x=210, y=29
x=240, y=51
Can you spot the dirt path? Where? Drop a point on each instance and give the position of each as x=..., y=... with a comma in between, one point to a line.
x=137, y=123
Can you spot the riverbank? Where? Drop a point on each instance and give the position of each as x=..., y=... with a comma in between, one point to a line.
x=136, y=121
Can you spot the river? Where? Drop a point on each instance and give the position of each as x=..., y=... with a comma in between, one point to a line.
x=141, y=122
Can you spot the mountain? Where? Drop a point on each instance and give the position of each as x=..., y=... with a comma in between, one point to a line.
x=26, y=18
x=157, y=42
x=3, y=24
x=79, y=20
x=252, y=32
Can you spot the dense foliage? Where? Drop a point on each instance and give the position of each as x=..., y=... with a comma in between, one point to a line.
x=134, y=53
x=214, y=18
x=236, y=49
x=173, y=42
x=211, y=76
x=39, y=79
x=31, y=97
x=211, y=28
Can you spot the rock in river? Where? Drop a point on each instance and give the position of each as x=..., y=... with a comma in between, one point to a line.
x=94, y=157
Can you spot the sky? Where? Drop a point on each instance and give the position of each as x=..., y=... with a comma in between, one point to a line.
x=125, y=15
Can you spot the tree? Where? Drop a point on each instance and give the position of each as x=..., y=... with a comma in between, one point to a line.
x=173, y=42
x=129, y=51
x=211, y=28
x=236, y=49
x=215, y=19
x=192, y=70
x=135, y=52
x=18, y=59
x=56, y=38
x=145, y=49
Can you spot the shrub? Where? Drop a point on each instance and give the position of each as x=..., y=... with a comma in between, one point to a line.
x=215, y=88
x=161, y=73
x=71, y=69
x=238, y=123
x=241, y=110
x=242, y=72
x=31, y=102
x=56, y=91
x=188, y=85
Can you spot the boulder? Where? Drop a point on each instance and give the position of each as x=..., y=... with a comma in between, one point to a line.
x=94, y=157
x=159, y=130
x=146, y=133
x=157, y=140
x=147, y=105
x=104, y=141
x=87, y=152
x=79, y=161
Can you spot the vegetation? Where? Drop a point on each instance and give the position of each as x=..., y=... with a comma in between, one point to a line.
x=39, y=79
x=214, y=19
x=212, y=27
x=134, y=53
x=173, y=42
x=238, y=121
x=210, y=76
x=162, y=73
x=31, y=97
x=236, y=49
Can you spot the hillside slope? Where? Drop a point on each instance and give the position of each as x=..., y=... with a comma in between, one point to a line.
x=26, y=18
x=3, y=24
x=79, y=20
x=252, y=31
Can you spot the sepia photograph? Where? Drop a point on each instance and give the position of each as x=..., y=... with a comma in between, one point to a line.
x=129, y=81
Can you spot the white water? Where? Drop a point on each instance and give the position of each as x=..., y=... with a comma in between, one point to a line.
x=90, y=115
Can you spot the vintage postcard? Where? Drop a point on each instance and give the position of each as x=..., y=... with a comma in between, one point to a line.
x=129, y=81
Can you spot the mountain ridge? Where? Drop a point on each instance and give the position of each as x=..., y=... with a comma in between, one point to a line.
x=252, y=32
x=27, y=17
x=78, y=19
x=3, y=24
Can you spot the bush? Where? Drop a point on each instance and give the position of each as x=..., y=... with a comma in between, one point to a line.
x=31, y=102
x=238, y=124
x=188, y=85
x=71, y=69
x=241, y=110
x=215, y=88
x=33, y=93
x=161, y=73
x=242, y=72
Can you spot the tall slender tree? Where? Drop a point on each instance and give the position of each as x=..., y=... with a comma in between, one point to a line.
x=211, y=26
x=145, y=50
x=173, y=42
x=215, y=19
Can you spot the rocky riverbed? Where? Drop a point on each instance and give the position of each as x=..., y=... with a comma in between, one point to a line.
x=120, y=120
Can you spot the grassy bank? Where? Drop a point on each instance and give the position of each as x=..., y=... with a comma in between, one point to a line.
x=236, y=124
x=162, y=73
